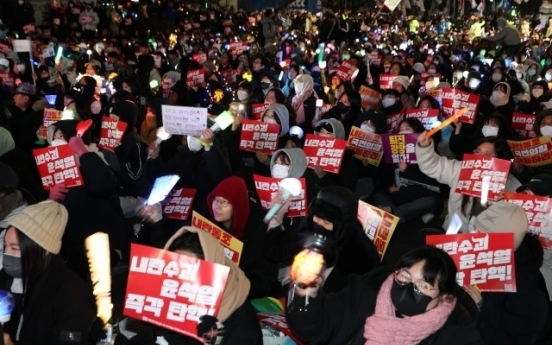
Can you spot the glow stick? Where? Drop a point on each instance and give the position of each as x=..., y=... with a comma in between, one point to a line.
x=485, y=190
x=97, y=251
x=161, y=188
x=447, y=122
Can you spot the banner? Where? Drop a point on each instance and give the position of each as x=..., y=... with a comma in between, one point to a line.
x=50, y=117
x=523, y=124
x=378, y=225
x=393, y=121
x=229, y=76
x=268, y=187
x=111, y=133
x=386, y=81
x=232, y=246
x=27, y=29
x=426, y=116
x=237, y=48
x=324, y=152
x=179, y=203
x=195, y=77
x=428, y=60
x=475, y=167
x=167, y=85
x=400, y=147
x=539, y=215
x=179, y=289
x=56, y=165
x=375, y=59
x=259, y=136
x=258, y=110
x=392, y=4
x=370, y=98
x=533, y=152
x=453, y=100
x=485, y=260
x=21, y=46
x=366, y=146
x=184, y=120
x=345, y=70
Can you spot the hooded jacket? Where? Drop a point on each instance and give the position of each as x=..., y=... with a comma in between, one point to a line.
x=508, y=33
x=297, y=158
x=283, y=116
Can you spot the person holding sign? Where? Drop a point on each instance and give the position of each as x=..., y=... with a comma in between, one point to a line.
x=417, y=302
x=447, y=171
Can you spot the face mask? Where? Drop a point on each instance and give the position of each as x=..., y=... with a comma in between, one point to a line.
x=269, y=120
x=194, y=144
x=546, y=131
x=548, y=76
x=342, y=108
x=242, y=95
x=12, y=265
x=489, y=131
x=537, y=93
x=406, y=301
x=474, y=83
x=280, y=171
x=519, y=76
x=406, y=132
x=431, y=70
x=367, y=128
x=497, y=97
x=21, y=68
x=532, y=72
x=265, y=86
x=497, y=77
x=387, y=102
x=58, y=142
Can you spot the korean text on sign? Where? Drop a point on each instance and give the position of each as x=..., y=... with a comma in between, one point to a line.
x=259, y=136
x=426, y=116
x=50, y=117
x=179, y=203
x=345, y=70
x=179, y=289
x=111, y=133
x=539, y=215
x=57, y=165
x=399, y=147
x=232, y=246
x=485, y=260
x=386, y=81
x=258, y=110
x=378, y=225
x=523, y=124
x=195, y=77
x=366, y=146
x=370, y=98
x=533, y=152
x=184, y=120
x=475, y=167
x=393, y=121
x=268, y=187
x=454, y=100
x=324, y=152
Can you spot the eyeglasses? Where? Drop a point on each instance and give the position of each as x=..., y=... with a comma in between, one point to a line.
x=484, y=153
x=220, y=202
x=402, y=277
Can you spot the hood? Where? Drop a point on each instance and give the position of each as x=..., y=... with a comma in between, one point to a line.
x=234, y=190
x=67, y=127
x=508, y=88
x=296, y=157
x=303, y=83
x=538, y=120
x=127, y=112
x=378, y=119
x=283, y=116
x=501, y=22
x=503, y=217
x=338, y=129
x=6, y=141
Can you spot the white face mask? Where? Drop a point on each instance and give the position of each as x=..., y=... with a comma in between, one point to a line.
x=269, y=120
x=497, y=97
x=489, y=131
x=546, y=131
x=548, y=76
x=432, y=70
x=367, y=128
x=388, y=101
x=57, y=142
x=519, y=76
x=474, y=83
x=408, y=131
x=532, y=72
x=194, y=144
x=537, y=93
x=21, y=68
x=497, y=77
x=280, y=171
x=242, y=95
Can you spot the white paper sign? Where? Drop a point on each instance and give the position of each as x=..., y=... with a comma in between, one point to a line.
x=184, y=120
x=392, y=4
x=161, y=188
x=21, y=46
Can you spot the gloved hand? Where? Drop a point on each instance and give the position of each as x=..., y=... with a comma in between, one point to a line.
x=210, y=329
x=58, y=192
x=77, y=145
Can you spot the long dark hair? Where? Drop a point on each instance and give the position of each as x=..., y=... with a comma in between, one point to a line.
x=34, y=261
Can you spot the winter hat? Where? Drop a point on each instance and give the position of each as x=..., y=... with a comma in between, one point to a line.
x=501, y=22
x=5, y=63
x=331, y=125
x=127, y=112
x=8, y=177
x=540, y=185
x=503, y=217
x=335, y=204
x=209, y=65
x=44, y=223
x=283, y=116
x=25, y=89
x=418, y=67
x=6, y=141
x=297, y=158
x=403, y=80
x=378, y=119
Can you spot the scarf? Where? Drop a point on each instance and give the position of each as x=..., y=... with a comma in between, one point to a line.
x=298, y=104
x=237, y=284
x=383, y=327
x=9, y=203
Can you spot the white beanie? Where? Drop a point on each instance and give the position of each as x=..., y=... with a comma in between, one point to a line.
x=404, y=81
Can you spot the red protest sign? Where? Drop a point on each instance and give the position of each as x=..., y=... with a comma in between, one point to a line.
x=324, y=152
x=394, y=120
x=8, y=80
x=278, y=321
x=179, y=290
x=345, y=70
x=5, y=48
x=111, y=133
x=426, y=116
x=237, y=48
x=50, y=117
x=428, y=60
x=366, y=146
x=258, y=110
x=57, y=165
x=375, y=59
x=195, y=77
x=157, y=60
x=232, y=246
x=268, y=187
x=475, y=167
x=454, y=100
x=259, y=136
x=179, y=203
x=399, y=147
x=167, y=84
x=485, y=260
x=370, y=98
x=377, y=224
x=523, y=124
x=230, y=76
x=539, y=214
x=86, y=19
x=27, y=29
x=533, y=152
x=386, y=81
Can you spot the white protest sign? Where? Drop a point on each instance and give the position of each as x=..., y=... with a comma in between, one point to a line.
x=21, y=46
x=184, y=120
x=392, y=4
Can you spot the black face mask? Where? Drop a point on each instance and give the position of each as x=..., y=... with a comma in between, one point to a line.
x=330, y=253
x=342, y=108
x=406, y=301
x=265, y=86
x=12, y=265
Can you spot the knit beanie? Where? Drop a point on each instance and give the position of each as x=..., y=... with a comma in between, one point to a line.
x=403, y=80
x=44, y=223
x=503, y=217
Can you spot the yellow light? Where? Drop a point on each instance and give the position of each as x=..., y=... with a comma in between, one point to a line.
x=306, y=267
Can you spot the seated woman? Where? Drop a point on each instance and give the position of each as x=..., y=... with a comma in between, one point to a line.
x=418, y=302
